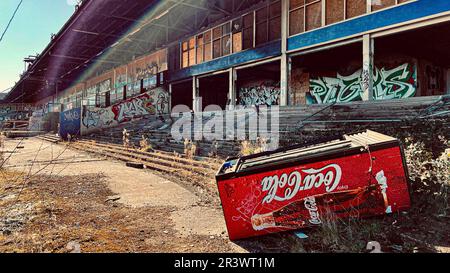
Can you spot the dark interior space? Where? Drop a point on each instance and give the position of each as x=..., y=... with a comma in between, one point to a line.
x=182, y=94
x=214, y=90
x=427, y=48
x=259, y=85
x=327, y=76
x=344, y=60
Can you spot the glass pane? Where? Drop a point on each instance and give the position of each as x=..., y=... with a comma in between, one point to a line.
x=217, y=49
x=192, y=57
x=248, y=20
x=296, y=4
x=335, y=11
x=261, y=15
x=275, y=29
x=296, y=22
x=208, y=53
x=191, y=43
x=275, y=9
x=261, y=33
x=314, y=16
x=185, y=59
x=247, y=39
x=381, y=4
x=356, y=8
x=207, y=36
x=217, y=33
x=200, y=54
x=237, y=42
x=226, y=45
x=226, y=29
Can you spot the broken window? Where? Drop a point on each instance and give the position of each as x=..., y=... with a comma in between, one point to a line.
x=207, y=46
x=200, y=49
x=237, y=35
x=268, y=23
x=222, y=40
x=355, y=8
x=381, y=4
x=335, y=11
x=304, y=15
x=247, y=32
x=188, y=54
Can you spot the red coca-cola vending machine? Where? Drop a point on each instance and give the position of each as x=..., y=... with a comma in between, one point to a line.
x=360, y=175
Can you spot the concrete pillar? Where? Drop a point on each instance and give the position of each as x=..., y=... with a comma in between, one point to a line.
x=232, y=88
x=448, y=81
x=284, y=68
x=170, y=99
x=368, y=67
x=196, y=105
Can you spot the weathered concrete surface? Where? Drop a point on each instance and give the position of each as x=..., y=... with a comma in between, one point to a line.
x=136, y=188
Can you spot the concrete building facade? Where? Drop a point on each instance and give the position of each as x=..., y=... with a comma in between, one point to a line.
x=229, y=53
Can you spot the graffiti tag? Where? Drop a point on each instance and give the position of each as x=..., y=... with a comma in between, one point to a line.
x=396, y=83
x=260, y=95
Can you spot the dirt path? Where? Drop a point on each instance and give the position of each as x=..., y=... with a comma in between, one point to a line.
x=76, y=200
x=175, y=210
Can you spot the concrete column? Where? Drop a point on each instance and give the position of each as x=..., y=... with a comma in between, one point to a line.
x=170, y=99
x=368, y=66
x=448, y=81
x=232, y=88
x=196, y=105
x=284, y=68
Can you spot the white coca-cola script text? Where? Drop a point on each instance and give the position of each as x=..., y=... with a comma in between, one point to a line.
x=286, y=186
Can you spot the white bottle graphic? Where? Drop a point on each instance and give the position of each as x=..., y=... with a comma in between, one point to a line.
x=382, y=181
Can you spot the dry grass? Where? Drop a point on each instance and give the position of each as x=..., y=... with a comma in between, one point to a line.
x=145, y=145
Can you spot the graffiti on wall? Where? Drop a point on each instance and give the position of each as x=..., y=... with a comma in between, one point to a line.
x=15, y=112
x=135, y=107
x=146, y=71
x=97, y=118
x=263, y=94
x=397, y=83
x=151, y=103
x=70, y=123
x=121, y=80
x=99, y=87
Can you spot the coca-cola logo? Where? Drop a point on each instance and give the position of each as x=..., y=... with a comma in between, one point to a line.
x=286, y=186
x=311, y=206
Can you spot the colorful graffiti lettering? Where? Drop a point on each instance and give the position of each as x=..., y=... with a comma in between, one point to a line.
x=396, y=83
x=71, y=115
x=135, y=107
x=263, y=94
x=162, y=104
x=97, y=118
x=153, y=102
x=70, y=123
x=149, y=70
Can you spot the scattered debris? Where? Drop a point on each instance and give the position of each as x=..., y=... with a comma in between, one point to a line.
x=73, y=247
x=374, y=247
x=301, y=235
x=113, y=198
x=135, y=165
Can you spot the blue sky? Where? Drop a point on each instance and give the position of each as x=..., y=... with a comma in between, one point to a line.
x=29, y=32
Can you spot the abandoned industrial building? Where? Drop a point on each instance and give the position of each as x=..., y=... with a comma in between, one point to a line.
x=192, y=125
x=116, y=61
